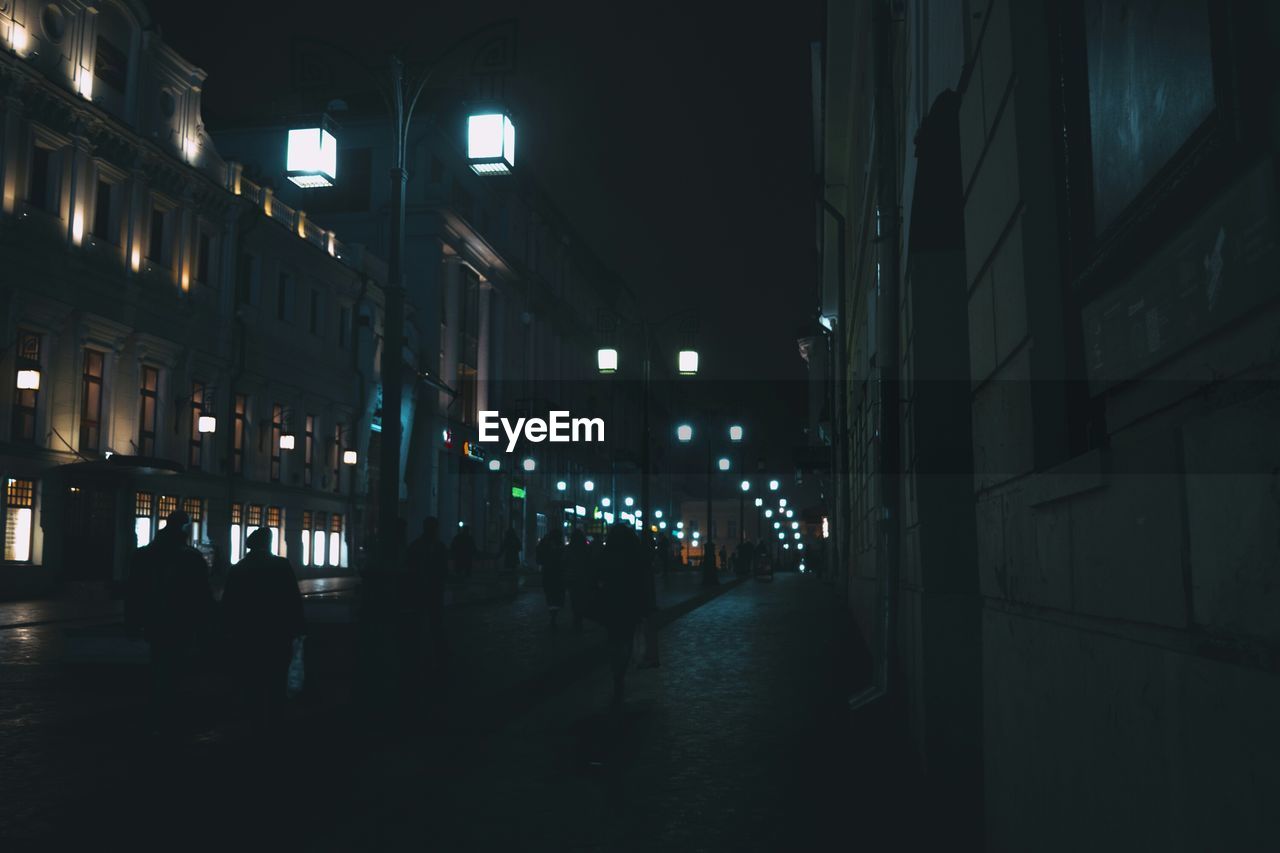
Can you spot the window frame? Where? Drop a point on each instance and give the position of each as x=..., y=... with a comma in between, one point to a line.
x=87, y=383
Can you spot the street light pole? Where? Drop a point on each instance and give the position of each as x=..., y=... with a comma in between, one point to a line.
x=393, y=350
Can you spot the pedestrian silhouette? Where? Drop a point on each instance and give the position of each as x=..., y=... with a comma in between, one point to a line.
x=510, y=550
x=579, y=576
x=427, y=564
x=624, y=600
x=463, y=551
x=262, y=611
x=550, y=554
x=170, y=602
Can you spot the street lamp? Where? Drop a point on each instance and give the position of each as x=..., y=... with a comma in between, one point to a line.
x=746, y=486
x=495, y=465
x=607, y=360
x=589, y=486
x=491, y=142
x=28, y=379
x=312, y=158
x=350, y=457
x=723, y=463
x=207, y=424
x=687, y=362
x=773, y=485
x=782, y=502
x=760, y=503
x=628, y=502
x=684, y=433
x=735, y=433
x=561, y=485
x=529, y=464
x=606, y=503
x=768, y=513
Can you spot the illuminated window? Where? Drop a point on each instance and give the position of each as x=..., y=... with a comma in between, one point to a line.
x=306, y=537
x=166, y=505
x=25, y=399
x=195, y=454
x=318, y=541
x=194, y=508
x=91, y=402
x=19, y=518
x=142, y=526
x=237, y=533
x=252, y=520
x=147, y=411
x=337, y=547
x=274, y=516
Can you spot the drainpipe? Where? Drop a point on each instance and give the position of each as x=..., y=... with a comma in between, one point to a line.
x=887, y=355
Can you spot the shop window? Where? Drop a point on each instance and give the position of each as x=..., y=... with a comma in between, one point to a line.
x=143, y=503
x=195, y=455
x=337, y=546
x=237, y=533
x=306, y=537
x=166, y=505
x=308, y=448
x=238, y=427
x=275, y=523
x=194, y=508
x=19, y=520
x=253, y=520
x=318, y=541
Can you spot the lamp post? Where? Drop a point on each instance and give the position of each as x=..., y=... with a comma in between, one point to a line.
x=402, y=98
x=684, y=434
x=686, y=364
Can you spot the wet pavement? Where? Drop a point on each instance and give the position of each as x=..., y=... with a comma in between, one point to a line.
x=741, y=740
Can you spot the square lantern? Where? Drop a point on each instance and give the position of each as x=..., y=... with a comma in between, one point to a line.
x=688, y=362
x=607, y=360
x=684, y=432
x=207, y=424
x=313, y=157
x=350, y=457
x=491, y=143
x=286, y=442
x=28, y=379
x=735, y=433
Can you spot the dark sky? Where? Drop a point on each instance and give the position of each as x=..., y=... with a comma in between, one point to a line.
x=674, y=137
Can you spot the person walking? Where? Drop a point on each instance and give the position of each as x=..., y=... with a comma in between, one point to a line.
x=463, y=551
x=510, y=550
x=262, y=611
x=624, y=600
x=170, y=602
x=427, y=564
x=550, y=555
x=579, y=576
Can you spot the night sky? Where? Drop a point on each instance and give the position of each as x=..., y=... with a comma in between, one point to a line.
x=676, y=138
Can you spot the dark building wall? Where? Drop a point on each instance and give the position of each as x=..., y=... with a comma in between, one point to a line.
x=1119, y=368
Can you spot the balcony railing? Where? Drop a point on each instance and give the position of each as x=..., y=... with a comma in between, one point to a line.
x=295, y=220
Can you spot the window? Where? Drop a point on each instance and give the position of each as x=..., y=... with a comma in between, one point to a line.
x=274, y=516
x=19, y=520
x=335, y=458
x=337, y=547
x=156, y=248
x=195, y=455
x=203, y=255
x=166, y=505
x=194, y=508
x=318, y=541
x=102, y=212
x=142, y=528
x=25, y=399
x=42, y=182
x=237, y=533
x=313, y=320
x=248, y=278
x=344, y=326
x=277, y=429
x=306, y=537
x=238, y=426
x=147, y=411
x=91, y=402
x=253, y=520
x=284, y=298
x=111, y=65
x=308, y=447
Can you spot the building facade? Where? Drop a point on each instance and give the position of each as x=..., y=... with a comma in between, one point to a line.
x=1048, y=230
x=175, y=338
